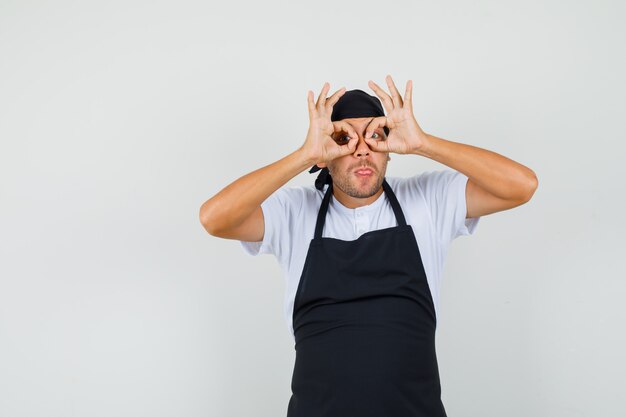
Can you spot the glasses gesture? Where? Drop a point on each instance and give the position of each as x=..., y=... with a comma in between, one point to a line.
x=319, y=145
x=405, y=135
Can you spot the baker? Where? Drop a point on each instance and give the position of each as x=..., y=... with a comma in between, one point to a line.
x=363, y=253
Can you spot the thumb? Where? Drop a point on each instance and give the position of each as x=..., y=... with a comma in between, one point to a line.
x=350, y=147
x=374, y=145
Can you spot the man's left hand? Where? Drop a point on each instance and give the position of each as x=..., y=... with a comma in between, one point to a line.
x=405, y=135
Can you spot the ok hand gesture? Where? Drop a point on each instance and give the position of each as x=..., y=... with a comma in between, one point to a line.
x=320, y=145
x=405, y=135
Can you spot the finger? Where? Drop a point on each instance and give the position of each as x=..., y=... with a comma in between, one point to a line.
x=376, y=123
x=377, y=146
x=322, y=97
x=348, y=148
x=353, y=144
x=341, y=126
x=311, y=104
x=387, y=102
x=395, y=94
x=332, y=100
x=408, y=95
x=344, y=127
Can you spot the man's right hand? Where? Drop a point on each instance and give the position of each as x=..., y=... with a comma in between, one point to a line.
x=235, y=212
x=320, y=146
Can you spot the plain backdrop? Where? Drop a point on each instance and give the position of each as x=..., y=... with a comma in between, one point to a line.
x=119, y=119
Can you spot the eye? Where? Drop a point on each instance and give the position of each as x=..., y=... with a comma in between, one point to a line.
x=343, y=139
x=375, y=136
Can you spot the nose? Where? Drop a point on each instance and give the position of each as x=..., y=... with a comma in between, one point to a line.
x=362, y=148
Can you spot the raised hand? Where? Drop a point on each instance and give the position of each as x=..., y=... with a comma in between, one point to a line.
x=320, y=145
x=405, y=135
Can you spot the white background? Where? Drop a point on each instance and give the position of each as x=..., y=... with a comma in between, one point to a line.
x=119, y=119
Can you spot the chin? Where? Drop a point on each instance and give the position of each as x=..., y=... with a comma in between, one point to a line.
x=359, y=188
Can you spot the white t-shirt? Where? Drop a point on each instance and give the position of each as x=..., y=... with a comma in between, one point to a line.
x=433, y=204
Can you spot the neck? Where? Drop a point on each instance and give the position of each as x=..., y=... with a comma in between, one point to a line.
x=354, y=202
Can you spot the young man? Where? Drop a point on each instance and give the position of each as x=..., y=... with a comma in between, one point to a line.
x=363, y=269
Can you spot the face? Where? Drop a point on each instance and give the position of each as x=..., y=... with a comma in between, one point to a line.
x=344, y=170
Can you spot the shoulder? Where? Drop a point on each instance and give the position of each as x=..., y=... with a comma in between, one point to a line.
x=296, y=197
x=302, y=192
x=424, y=181
x=434, y=188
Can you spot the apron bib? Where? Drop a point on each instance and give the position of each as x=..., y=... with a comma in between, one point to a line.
x=364, y=325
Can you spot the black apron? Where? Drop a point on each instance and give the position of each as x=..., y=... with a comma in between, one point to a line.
x=364, y=325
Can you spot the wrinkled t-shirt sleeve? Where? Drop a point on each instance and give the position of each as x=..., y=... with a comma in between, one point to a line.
x=276, y=216
x=444, y=192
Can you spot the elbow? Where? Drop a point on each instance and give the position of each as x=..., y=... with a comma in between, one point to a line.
x=216, y=219
x=206, y=220
x=531, y=186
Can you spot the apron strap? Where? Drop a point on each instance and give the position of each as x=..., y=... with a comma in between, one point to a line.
x=394, y=204
x=321, y=215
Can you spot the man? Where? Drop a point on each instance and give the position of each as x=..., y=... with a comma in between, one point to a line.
x=363, y=270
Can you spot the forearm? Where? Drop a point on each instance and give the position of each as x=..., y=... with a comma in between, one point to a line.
x=495, y=173
x=234, y=203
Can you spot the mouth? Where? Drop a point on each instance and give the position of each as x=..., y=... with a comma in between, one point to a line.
x=364, y=172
